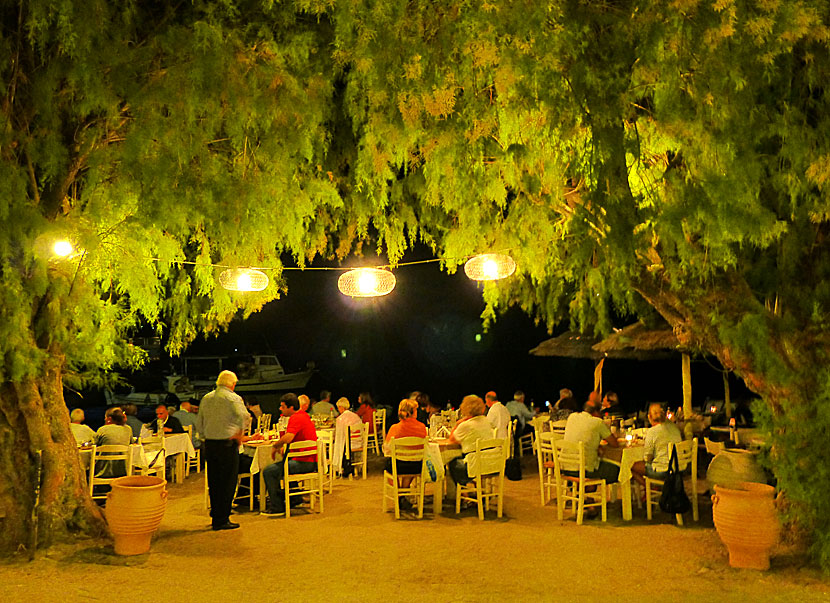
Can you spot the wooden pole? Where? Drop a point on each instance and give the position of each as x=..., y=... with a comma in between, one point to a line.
x=727, y=402
x=687, y=396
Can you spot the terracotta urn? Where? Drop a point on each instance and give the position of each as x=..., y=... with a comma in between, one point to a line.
x=134, y=510
x=733, y=466
x=747, y=523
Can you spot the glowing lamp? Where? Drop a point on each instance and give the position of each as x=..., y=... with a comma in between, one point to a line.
x=243, y=279
x=62, y=248
x=366, y=282
x=489, y=267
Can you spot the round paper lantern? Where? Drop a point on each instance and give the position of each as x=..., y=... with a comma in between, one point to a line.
x=366, y=282
x=243, y=279
x=489, y=267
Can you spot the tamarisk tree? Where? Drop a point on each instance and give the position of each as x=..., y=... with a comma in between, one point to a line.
x=634, y=157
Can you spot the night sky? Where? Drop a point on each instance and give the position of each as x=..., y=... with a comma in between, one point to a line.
x=423, y=336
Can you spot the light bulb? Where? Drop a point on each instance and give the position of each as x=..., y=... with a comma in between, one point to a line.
x=243, y=282
x=62, y=248
x=367, y=282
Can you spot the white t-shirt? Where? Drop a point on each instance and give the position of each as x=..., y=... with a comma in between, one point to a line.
x=470, y=431
x=584, y=427
x=656, y=446
x=499, y=418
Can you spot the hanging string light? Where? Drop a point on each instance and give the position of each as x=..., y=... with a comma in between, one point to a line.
x=489, y=266
x=243, y=279
x=366, y=282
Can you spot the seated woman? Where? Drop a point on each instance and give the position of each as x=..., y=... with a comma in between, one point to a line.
x=472, y=427
x=408, y=427
x=366, y=410
x=656, y=447
x=114, y=431
x=346, y=419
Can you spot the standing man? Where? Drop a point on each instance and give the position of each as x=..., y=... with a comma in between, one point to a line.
x=300, y=428
x=498, y=415
x=220, y=422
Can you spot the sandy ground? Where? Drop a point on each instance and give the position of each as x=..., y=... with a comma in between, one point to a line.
x=354, y=552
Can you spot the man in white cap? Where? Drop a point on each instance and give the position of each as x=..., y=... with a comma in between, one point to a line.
x=220, y=422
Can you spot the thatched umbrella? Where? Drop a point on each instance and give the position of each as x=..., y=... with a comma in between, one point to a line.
x=568, y=345
x=637, y=338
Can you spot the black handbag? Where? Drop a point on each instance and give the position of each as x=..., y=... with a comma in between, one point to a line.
x=673, y=498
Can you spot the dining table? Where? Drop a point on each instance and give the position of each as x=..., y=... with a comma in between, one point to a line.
x=177, y=444
x=625, y=456
x=447, y=451
x=261, y=452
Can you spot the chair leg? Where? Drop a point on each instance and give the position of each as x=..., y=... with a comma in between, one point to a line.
x=560, y=502
x=648, y=499
x=420, y=498
x=458, y=488
x=501, y=497
x=604, y=502
x=695, y=513
x=580, y=510
x=480, y=500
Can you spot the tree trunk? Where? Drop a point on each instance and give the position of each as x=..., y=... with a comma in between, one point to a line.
x=43, y=493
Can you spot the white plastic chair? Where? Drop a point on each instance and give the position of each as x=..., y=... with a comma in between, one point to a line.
x=404, y=449
x=574, y=488
x=357, y=450
x=307, y=483
x=108, y=455
x=486, y=468
x=686, y=456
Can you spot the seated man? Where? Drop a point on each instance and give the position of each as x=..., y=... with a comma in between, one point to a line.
x=186, y=417
x=497, y=414
x=588, y=427
x=131, y=411
x=300, y=428
x=611, y=407
x=656, y=447
x=169, y=423
x=324, y=406
x=82, y=433
x=518, y=410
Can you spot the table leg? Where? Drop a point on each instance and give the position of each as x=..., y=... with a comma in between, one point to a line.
x=179, y=467
x=626, y=499
x=438, y=497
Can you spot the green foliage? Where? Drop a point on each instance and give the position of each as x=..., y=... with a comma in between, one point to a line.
x=672, y=153
x=798, y=434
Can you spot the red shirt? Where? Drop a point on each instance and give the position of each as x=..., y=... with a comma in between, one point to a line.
x=303, y=429
x=407, y=428
x=367, y=415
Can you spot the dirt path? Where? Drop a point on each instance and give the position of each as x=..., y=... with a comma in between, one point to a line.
x=353, y=552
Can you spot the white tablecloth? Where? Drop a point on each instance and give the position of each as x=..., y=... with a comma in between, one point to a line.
x=629, y=455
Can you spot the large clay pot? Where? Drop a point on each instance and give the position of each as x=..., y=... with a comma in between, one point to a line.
x=747, y=523
x=134, y=510
x=731, y=467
